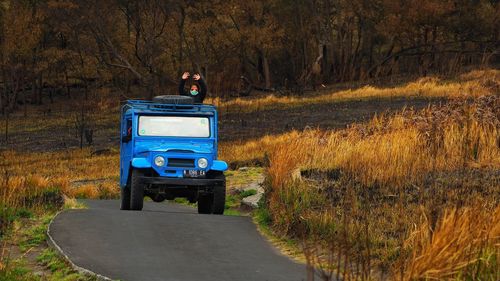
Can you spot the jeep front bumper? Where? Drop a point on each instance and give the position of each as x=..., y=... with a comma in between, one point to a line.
x=181, y=181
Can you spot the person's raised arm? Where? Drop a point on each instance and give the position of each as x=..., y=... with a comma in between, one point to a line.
x=203, y=86
x=185, y=76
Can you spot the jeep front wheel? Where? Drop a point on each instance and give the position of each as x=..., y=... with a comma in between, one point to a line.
x=136, y=190
x=219, y=202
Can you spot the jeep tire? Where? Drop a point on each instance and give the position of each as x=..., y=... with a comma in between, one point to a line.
x=205, y=203
x=219, y=197
x=125, y=197
x=171, y=99
x=136, y=191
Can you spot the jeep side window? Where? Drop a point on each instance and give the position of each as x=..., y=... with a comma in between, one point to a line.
x=127, y=133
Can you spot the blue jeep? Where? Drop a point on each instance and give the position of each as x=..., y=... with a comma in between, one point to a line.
x=169, y=149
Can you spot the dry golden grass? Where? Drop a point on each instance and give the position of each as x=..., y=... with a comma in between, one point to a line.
x=253, y=150
x=472, y=84
x=29, y=180
x=390, y=150
x=460, y=238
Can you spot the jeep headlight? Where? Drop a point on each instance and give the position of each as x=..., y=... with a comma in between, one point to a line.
x=202, y=163
x=159, y=161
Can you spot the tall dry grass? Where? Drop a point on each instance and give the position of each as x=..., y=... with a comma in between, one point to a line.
x=36, y=181
x=462, y=237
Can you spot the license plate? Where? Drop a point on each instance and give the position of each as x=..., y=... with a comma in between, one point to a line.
x=194, y=173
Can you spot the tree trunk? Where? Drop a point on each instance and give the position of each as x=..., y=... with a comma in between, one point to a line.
x=68, y=88
x=11, y=101
x=25, y=104
x=87, y=90
x=204, y=73
x=150, y=86
x=34, y=90
x=82, y=124
x=315, y=73
x=3, y=94
x=267, y=75
x=181, y=38
x=51, y=94
x=7, y=126
x=129, y=82
x=4, y=84
x=324, y=65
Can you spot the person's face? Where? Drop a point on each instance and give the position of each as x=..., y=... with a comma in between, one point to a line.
x=194, y=88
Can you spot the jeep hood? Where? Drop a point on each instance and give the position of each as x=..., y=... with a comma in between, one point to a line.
x=195, y=147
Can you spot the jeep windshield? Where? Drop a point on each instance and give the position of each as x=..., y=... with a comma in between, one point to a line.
x=174, y=126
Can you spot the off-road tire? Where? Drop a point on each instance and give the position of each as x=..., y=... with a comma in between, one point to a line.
x=205, y=203
x=170, y=99
x=219, y=201
x=136, y=191
x=125, y=197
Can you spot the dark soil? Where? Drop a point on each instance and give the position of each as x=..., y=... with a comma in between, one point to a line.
x=238, y=126
x=59, y=131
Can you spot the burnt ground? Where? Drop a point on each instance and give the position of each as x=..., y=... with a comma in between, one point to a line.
x=327, y=116
x=57, y=130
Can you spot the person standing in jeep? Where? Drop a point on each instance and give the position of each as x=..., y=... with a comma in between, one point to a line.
x=198, y=89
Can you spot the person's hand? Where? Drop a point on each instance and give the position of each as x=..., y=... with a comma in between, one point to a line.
x=185, y=75
x=196, y=77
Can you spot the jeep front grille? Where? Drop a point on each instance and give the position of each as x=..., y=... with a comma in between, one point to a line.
x=181, y=163
x=180, y=151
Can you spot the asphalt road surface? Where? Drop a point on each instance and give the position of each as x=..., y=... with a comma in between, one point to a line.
x=168, y=242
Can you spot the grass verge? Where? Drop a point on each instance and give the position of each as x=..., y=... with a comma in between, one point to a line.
x=27, y=256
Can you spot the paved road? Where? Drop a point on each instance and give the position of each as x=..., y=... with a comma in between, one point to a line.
x=168, y=242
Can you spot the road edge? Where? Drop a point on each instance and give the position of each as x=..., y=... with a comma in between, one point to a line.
x=52, y=243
